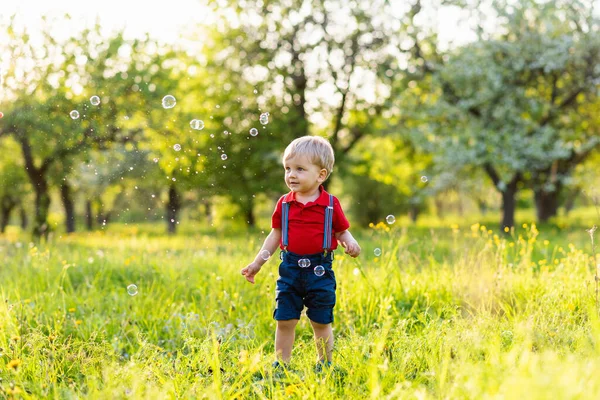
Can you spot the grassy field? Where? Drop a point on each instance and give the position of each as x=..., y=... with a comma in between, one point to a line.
x=446, y=311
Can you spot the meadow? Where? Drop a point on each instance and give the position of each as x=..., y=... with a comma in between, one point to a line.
x=446, y=311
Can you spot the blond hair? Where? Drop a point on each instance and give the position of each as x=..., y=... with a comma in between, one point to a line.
x=317, y=149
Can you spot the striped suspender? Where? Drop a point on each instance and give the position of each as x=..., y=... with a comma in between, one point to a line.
x=327, y=229
x=328, y=225
x=285, y=207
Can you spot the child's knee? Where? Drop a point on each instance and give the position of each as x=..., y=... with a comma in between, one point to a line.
x=319, y=326
x=287, y=324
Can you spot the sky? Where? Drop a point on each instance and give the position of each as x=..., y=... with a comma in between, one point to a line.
x=163, y=20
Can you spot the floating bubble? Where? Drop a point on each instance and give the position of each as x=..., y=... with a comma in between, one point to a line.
x=356, y=272
x=132, y=290
x=74, y=114
x=265, y=255
x=155, y=160
x=319, y=270
x=169, y=101
x=377, y=252
x=424, y=179
x=95, y=100
x=253, y=132
x=177, y=147
x=390, y=219
x=197, y=124
x=223, y=157
x=264, y=118
x=304, y=263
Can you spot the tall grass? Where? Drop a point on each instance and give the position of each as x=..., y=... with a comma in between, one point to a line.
x=450, y=312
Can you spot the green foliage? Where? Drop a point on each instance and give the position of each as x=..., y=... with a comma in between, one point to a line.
x=13, y=181
x=521, y=101
x=386, y=178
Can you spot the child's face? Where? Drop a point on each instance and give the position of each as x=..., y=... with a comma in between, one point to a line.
x=303, y=176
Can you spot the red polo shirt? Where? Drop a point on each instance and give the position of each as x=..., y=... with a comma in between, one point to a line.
x=306, y=222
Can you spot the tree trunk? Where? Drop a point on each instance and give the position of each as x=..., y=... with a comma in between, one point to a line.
x=24, y=219
x=6, y=207
x=509, y=204
x=42, y=205
x=482, y=205
x=37, y=176
x=546, y=203
x=173, y=207
x=570, y=201
x=414, y=212
x=509, y=192
x=208, y=211
x=89, y=219
x=439, y=207
x=67, y=199
x=102, y=217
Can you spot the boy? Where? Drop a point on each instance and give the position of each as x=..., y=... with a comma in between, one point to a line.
x=305, y=225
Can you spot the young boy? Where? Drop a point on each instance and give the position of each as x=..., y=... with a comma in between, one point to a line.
x=305, y=225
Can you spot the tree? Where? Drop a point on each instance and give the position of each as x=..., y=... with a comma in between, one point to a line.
x=520, y=104
x=317, y=68
x=47, y=108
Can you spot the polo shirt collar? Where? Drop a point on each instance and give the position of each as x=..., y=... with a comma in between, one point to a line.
x=322, y=200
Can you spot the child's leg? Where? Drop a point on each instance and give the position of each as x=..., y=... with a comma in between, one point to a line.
x=323, y=340
x=284, y=339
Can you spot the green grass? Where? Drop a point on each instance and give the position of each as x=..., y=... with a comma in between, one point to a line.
x=444, y=312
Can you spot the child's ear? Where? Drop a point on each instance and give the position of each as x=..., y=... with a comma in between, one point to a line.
x=322, y=175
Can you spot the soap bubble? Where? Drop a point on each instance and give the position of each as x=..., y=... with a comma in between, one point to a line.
x=95, y=100
x=132, y=290
x=424, y=179
x=356, y=272
x=390, y=219
x=197, y=124
x=253, y=132
x=177, y=147
x=319, y=270
x=304, y=263
x=377, y=252
x=223, y=157
x=155, y=159
x=168, y=101
x=264, y=118
x=265, y=255
x=74, y=114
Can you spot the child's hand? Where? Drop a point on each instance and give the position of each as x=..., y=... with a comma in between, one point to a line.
x=251, y=270
x=352, y=248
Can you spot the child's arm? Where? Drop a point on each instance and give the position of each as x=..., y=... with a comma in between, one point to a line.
x=348, y=242
x=271, y=244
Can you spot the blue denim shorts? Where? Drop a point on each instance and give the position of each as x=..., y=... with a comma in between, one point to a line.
x=298, y=287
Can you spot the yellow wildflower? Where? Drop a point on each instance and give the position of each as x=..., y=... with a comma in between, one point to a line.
x=14, y=364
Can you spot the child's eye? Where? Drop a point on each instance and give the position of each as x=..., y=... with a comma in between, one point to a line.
x=300, y=169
